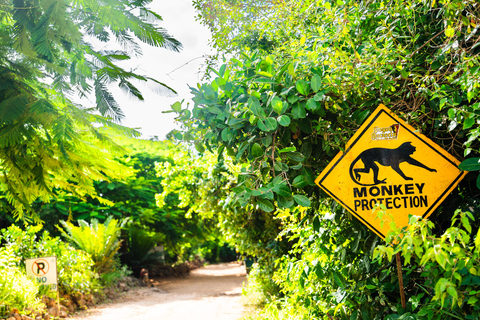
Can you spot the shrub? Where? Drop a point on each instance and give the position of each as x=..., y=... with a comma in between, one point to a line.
x=16, y=290
x=74, y=267
x=443, y=271
x=100, y=241
x=139, y=249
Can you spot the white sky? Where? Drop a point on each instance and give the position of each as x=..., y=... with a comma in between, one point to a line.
x=179, y=21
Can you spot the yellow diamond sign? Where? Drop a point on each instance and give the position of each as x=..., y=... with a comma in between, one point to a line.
x=388, y=162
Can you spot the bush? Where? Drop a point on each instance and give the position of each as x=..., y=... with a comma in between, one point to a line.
x=443, y=271
x=74, y=267
x=16, y=290
x=139, y=250
x=100, y=241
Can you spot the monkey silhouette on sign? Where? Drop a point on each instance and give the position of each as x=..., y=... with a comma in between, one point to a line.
x=385, y=157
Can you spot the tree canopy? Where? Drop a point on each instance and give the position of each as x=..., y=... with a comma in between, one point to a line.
x=49, y=54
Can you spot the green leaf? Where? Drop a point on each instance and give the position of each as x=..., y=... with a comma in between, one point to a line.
x=449, y=32
x=199, y=147
x=265, y=205
x=302, y=87
x=271, y=124
x=262, y=126
x=267, y=140
x=312, y=105
x=257, y=150
x=337, y=278
x=316, y=224
x=284, y=120
x=254, y=105
x=298, y=111
x=468, y=123
x=277, y=104
x=287, y=149
x=282, y=190
x=316, y=83
x=285, y=202
x=470, y=164
x=177, y=106
x=299, y=181
x=296, y=156
x=301, y=200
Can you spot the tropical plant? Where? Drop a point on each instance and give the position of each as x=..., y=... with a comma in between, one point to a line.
x=443, y=270
x=139, y=249
x=100, y=240
x=16, y=290
x=48, y=53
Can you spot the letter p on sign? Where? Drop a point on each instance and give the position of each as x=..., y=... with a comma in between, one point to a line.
x=43, y=271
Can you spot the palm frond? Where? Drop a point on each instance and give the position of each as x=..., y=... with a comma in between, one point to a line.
x=130, y=89
x=161, y=88
x=12, y=108
x=106, y=103
x=149, y=16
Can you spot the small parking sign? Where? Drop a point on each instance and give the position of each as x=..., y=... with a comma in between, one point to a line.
x=43, y=270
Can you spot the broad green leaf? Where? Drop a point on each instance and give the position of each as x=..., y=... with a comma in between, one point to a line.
x=178, y=136
x=302, y=87
x=285, y=202
x=298, y=111
x=282, y=190
x=312, y=105
x=214, y=110
x=299, y=182
x=257, y=150
x=296, y=156
x=199, y=147
x=292, y=99
x=337, y=278
x=265, y=205
x=261, y=124
x=284, y=120
x=267, y=140
x=277, y=105
x=468, y=123
x=222, y=70
x=301, y=200
x=271, y=124
x=254, y=105
x=316, y=83
x=177, y=106
x=470, y=164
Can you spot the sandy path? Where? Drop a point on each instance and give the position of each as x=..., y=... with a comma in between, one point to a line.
x=212, y=292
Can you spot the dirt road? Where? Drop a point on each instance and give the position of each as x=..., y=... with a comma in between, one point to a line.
x=212, y=292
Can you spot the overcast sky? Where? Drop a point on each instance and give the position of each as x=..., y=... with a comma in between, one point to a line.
x=179, y=20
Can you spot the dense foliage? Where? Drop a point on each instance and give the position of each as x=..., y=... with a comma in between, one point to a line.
x=74, y=267
x=278, y=113
x=49, y=60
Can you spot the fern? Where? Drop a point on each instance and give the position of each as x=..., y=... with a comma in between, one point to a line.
x=100, y=241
